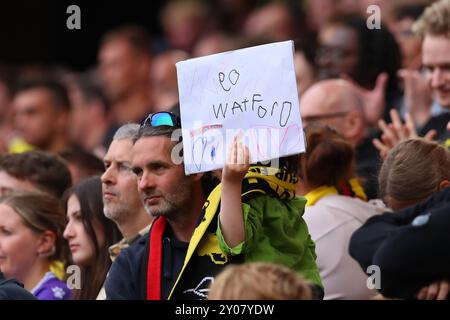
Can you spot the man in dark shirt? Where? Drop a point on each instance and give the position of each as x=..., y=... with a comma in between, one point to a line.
x=177, y=258
x=337, y=104
x=127, y=279
x=434, y=28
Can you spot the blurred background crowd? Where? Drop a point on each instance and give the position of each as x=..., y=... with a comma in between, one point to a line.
x=65, y=93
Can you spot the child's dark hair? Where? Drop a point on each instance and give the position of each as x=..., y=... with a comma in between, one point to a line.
x=329, y=158
x=289, y=163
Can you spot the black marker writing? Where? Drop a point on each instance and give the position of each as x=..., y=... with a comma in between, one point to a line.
x=221, y=79
x=233, y=77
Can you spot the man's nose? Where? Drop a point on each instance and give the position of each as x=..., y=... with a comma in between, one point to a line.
x=108, y=176
x=437, y=78
x=146, y=181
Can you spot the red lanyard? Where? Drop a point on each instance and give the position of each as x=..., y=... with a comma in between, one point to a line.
x=154, y=260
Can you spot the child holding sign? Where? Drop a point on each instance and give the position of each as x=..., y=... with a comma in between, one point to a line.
x=260, y=217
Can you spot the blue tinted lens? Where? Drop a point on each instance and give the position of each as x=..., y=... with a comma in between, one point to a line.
x=162, y=119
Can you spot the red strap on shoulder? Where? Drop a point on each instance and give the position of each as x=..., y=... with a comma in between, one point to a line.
x=345, y=189
x=154, y=259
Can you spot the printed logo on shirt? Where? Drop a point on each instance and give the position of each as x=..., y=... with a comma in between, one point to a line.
x=209, y=246
x=58, y=292
x=202, y=289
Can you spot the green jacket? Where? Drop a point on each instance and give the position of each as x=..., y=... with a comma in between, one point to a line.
x=276, y=232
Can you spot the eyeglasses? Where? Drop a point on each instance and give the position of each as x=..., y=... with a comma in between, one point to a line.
x=324, y=116
x=405, y=33
x=163, y=118
x=428, y=70
x=333, y=53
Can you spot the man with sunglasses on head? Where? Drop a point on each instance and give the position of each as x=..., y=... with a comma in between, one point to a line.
x=336, y=103
x=180, y=256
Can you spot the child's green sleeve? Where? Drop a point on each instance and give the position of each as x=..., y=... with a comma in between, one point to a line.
x=253, y=226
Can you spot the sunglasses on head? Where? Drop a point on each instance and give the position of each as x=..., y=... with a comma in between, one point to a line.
x=163, y=118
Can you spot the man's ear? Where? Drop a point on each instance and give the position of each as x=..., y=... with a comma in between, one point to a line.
x=96, y=109
x=62, y=119
x=46, y=244
x=444, y=184
x=355, y=125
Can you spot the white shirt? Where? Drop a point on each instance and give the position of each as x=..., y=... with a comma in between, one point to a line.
x=331, y=223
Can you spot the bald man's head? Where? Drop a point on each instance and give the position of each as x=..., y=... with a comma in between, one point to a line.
x=335, y=103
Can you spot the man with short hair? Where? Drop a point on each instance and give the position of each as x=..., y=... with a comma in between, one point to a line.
x=121, y=199
x=434, y=28
x=124, y=65
x=41, y=114
x=34, y=170
x=181, y=255
x=82, y=164
x=90, y=125
x=163, y=79
x=337, y=104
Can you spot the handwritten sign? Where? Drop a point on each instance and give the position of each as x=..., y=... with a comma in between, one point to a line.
x=252, y=91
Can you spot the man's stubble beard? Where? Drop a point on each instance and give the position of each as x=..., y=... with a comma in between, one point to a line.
x=118, y=213
x=179, y=202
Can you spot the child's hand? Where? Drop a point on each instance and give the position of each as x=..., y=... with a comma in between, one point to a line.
x=237, y=162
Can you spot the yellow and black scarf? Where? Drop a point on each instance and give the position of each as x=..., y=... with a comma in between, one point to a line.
x=277, y=182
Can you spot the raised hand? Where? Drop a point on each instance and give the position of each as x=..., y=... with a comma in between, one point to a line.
x=234, y=171
x=396, y=132
x=436, y=291
x=418, y=96
x=374, y=100
x=237, y=162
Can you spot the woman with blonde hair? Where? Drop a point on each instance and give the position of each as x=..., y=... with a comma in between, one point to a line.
x=31, y=243
x=414, y=181
x=413, y=170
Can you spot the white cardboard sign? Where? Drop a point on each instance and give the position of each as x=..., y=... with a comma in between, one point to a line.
x=252, y=90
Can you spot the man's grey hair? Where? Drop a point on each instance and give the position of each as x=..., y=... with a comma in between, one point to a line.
x=127, y=131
